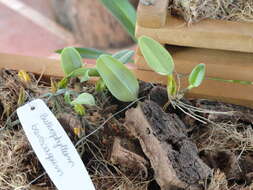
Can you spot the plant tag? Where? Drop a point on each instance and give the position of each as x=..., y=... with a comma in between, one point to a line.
x=53, y=147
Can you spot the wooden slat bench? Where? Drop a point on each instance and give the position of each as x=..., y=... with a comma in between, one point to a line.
x=225, y=47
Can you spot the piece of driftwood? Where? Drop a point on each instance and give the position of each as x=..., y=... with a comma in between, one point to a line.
x=163, y=139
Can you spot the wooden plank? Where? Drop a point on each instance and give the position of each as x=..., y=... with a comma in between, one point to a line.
x=209, y=89
x=212, y=34
x=221, y=64
x=50, y=67
x=227, y=92
x=39, y=19
x=153, y=16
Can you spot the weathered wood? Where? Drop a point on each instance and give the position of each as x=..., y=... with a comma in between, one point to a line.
x=153, y=16
x=50, y=67
x=91, y=23
x=172, y=155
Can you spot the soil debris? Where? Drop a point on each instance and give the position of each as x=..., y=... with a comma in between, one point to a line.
x=218, y=181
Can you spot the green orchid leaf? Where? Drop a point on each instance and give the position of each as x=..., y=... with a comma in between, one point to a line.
x=63, y=83
x=67, y=97
x=70, y=60
x=124, y=56
x=88, y=53
x=85, y=77
x=119, y=80
x=124, y=12
x=100, y=85
x=197, y=76
x=156, y=56
x=89, y=72
x=84, y=99
x=171, y=86
x=79, y=109
x=78, y=72
x=84, y=74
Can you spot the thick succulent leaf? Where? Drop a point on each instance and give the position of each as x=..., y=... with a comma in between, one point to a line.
x=124, y=13
x=156, y=56
x=84, y=99
x=119, y=80
x=197, y=76
x=89, y=53
x=70, y=60
x=171, y=86
x=124, y=56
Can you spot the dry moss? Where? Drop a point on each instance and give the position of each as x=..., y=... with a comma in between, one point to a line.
x=226, y=137
x=18, y=164
x=20, y=168
x=218, y=181
x=196, y=10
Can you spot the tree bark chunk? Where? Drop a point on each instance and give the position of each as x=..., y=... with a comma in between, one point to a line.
x=173, y=156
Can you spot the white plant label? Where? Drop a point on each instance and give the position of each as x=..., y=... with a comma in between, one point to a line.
x=53, y=147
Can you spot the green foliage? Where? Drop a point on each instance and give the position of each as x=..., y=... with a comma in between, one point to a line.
x=197, y=76
x=63, y=83
x=100, y=85
x=124, y=56
x=70, y=60
x=120, y=81
x=124, y=12
x=67, y=97
x=160, y=60
x=84, y=99
x=78, y=72
x=156, y=56
x=114, y=76
x=171, y=86
x=77, y=103
x=79, y=109
x=88, y=53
